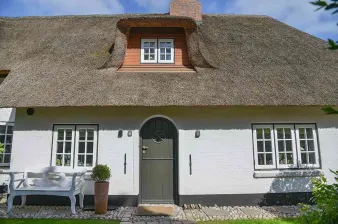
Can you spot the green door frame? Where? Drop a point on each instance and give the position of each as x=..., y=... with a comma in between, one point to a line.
x=176, y=154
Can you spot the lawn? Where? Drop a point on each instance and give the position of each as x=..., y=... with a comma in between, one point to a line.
x=284, y=221
x=55, y=221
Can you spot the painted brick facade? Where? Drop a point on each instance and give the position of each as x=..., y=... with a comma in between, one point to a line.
x=190, y=8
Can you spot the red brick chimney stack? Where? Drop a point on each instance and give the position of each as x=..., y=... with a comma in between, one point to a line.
x=190, y=8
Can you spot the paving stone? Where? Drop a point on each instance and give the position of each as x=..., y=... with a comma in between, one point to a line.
x=215, y=212
x=251, y=212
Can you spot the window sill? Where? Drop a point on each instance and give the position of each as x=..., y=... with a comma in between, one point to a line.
x=287, y=173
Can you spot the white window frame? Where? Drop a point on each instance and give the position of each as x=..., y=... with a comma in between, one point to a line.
x=142, y=51
x=172, y=51
x=263, y=126
x=75, y=144
x=55, y=145
x=315, y=142
x=294, y=149
x=2, y=163
x=94, y=127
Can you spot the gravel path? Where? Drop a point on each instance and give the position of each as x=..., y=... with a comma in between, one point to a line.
x=181, y=215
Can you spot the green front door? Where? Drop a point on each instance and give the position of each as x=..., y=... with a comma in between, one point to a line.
x=158, y=162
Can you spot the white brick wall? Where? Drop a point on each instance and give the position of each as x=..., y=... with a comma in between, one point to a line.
x=222, y=157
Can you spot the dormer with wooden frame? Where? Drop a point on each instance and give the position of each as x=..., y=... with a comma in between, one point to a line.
x=3, y=75
x=157, y=49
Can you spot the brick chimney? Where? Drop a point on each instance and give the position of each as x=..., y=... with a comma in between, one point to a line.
x=190, y=8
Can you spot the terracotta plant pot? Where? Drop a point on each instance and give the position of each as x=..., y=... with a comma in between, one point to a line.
x=101, y=197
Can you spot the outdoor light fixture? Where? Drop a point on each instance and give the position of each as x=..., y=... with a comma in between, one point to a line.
x=197, y=133
x=130, y=133
x=30, y=111
x=120, y=133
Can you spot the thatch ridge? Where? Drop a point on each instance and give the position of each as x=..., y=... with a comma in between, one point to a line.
x=240, y=61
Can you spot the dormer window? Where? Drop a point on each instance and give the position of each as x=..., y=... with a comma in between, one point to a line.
x=159, y=51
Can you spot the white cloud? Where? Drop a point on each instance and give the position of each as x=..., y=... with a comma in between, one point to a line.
x=297, y=13
x=72, y=7
x=157, y=6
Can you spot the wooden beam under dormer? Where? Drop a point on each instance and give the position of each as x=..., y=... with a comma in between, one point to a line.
x=4, y=72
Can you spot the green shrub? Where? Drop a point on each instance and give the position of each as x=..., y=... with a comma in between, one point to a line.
x=101, y=173
x=326, y=198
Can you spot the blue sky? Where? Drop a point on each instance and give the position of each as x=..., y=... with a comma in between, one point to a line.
x=297, y=13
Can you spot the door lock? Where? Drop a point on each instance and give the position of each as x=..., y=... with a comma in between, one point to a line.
x=144, y=149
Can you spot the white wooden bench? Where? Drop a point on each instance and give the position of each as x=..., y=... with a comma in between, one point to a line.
x=21, y=186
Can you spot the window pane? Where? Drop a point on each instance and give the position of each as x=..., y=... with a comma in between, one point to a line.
x=152, y=57
x=261, y=159
x=260, y=147
x=312, y=158
x=2, y=129
x=152, y=44
x=69, y=134
x=168, y=44
x=8, y=148
x=302, y=145
x=60, y=134
x=146, y=44
x=1, y=158
x=59, y=147
x=10, y=130
x=7, y=158
x=82, y=147
x=281, y=146
x=304, y=158
x=58, y=160
x=267, y=134
x=281, y=158
x=152, y=50
x=168, y=50
x=259, y=133
x=288, y=145
x=82, y=134
x=90, y=134
x=280, y=134
x=67, y=160
x=289, y=158
x=309, y=133
x=162, y=44
x=310, y=146
x=89, y=160
x=162, y=51
x=268, y=147
x=9, y=139
x=168, y=58
x=80, y=160
x=302, y=133
x=146, y=57
x=2, y=138
x=287, y=132
x=162, y=57
x=90, y=147
x=269, y=159
x=68, y=148
x=146, y=50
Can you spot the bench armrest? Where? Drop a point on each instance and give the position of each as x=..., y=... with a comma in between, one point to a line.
x=23, y=180
x=78, y=180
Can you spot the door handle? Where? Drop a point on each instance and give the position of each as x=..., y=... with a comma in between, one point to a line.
x=144, y=149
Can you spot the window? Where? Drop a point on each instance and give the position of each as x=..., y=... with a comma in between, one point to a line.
x=157, y=51
x=6, y=138
x=285, y=146
x=75, y=146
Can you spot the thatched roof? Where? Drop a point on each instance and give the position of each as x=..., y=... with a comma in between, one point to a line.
x=240, y=60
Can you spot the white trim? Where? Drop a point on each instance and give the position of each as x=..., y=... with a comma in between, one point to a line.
x=143, y=53
x=172, y=51
x=294, y=154
x=315, y=142
x=86, y=127
x=257, y=166
x=55, y=140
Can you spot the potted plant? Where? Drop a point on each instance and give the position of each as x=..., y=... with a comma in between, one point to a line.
x=101, y=175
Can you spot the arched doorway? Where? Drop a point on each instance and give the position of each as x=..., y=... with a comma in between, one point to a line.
x=158, y=162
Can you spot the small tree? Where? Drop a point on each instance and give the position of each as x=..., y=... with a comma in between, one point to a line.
x=2, y=149
x=329, y=6
x=326, y=197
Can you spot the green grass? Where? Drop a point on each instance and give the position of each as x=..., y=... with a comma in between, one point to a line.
x=280, y=221
x=55, y=221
